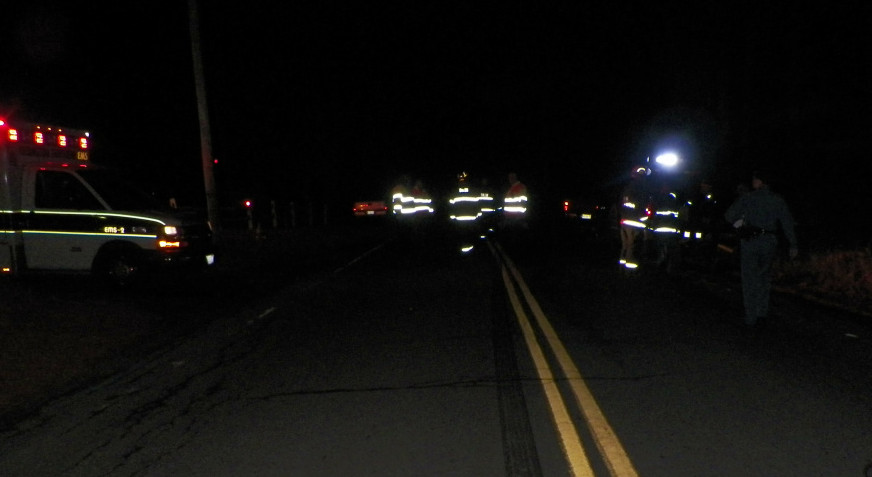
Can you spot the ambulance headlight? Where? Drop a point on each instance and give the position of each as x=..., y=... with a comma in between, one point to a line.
x=170, y=230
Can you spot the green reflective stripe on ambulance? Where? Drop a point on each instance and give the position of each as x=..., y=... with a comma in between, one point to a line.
x=94, y=234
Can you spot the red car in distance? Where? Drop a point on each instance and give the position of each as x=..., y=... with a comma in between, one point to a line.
x=370, y=208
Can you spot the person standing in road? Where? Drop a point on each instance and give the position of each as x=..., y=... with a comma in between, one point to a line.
x=664, y=226
x=418, y=189
x=400, y=194
x=632, y=212
x=515, y=204
x=757, y=216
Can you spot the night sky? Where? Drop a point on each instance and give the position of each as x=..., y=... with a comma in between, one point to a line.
x=310, y=100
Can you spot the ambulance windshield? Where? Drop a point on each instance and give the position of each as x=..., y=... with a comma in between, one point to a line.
x=120, y=192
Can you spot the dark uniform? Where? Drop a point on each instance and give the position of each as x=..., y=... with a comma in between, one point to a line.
x=664, y=226
x=758, y=216
x=632, y=218
x=701, y=224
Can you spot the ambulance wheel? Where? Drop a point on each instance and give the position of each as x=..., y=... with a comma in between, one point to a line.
x=118, y=268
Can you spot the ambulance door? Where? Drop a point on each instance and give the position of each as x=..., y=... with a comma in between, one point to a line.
x=7, y=242
x=60, y=229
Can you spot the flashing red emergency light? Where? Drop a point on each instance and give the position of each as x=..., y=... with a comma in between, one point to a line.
x=44, y=136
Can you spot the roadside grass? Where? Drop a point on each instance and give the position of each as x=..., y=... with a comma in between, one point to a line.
x=835, y=277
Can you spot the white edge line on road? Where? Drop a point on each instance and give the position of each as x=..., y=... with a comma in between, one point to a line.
x=359, y=257
x=266, y=312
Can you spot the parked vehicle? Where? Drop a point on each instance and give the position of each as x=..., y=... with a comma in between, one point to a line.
x=370, y=208
x=59, y=212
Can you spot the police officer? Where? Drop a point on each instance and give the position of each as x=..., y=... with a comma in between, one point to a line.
x=757, y=216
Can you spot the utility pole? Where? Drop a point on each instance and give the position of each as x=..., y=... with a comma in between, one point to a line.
x=205, y=132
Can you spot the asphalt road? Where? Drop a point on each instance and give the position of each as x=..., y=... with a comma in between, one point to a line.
x=528, y=355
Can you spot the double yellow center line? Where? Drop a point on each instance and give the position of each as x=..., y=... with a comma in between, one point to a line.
x=615, y=457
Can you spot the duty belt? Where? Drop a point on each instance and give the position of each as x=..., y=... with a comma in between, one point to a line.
x=749, y=232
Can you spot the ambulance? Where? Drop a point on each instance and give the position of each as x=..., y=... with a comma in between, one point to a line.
x=61, y=213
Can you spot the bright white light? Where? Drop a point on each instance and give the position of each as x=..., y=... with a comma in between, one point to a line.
x=668, y=159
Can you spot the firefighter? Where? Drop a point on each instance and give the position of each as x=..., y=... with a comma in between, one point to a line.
x=632, y=217
x=699, y=223
x=418, y=189
x=664, y=227
x=463, y=203
x=400, y=194
x=487, y=205
x=515, y=204
x=464, y=207
x=421, y=203
x=702, y=211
